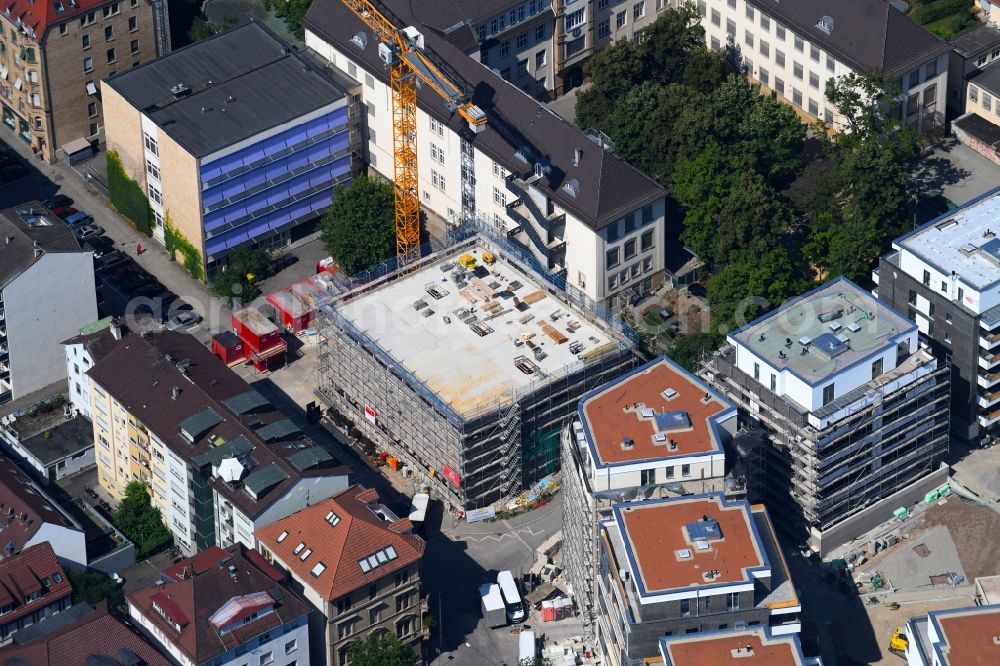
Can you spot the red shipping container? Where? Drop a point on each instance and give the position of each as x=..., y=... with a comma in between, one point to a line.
x=229, y=347
x=295, y=315
x=256, y=330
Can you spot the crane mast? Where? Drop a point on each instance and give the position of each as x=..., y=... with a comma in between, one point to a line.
x=400, y=49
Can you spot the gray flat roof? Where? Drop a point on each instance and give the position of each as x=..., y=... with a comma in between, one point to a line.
x=241, y=82
x=63, y=440
x=981, y=38
x=24, y=226
x=824, y=331
x=466, y=369
x=989, y=78
x=964, y=240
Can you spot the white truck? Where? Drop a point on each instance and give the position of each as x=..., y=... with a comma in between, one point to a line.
x=527, y=647
x=494, y=609
x=418, y=510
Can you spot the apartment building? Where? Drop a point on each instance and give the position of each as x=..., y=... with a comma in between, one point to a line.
x=46, y=294
x=845, y=413
x=467, y=382
x=93, y=343
x=657, y=431
x=237, y=140
x=54, y=53
x=971, y=52
x=33, y=586
x=685, y=565
x=979, y=126
x=944, y=274
x=582, y=212
x=82, y=635
x=218, y=458
x=357, y=563
x=224, y=608
x=793, y=48
x=753, y=646
x=539, y=46
x=956, y=637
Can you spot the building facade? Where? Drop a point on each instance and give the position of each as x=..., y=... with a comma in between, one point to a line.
x=33, y=586
x=53, y=56
x=39, y=255
x=630, y=441
x=793, y=48
x=582, y=212
x=944, y=275
x=846, y=407
x=753, y=646
x=92, y=343
x=218, y=459
x=246, y=152
x=686, y=565
x=224, y=608
x=357, y=563
x=979, y=126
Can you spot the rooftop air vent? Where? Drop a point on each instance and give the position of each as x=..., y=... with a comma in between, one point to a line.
x=683, y=554
x=805, y=341
x=660, y=438
x=854, y=328
x=180, y=90
x=825, y=24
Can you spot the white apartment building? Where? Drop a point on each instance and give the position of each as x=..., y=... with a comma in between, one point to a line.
x=794, y=48
x=956, y=637
x=657, y=431
x=855, y=410
x=46, y=294
x=82, y=351
x=582, y=212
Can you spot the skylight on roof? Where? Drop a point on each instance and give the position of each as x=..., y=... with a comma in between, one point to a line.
x=373, y=561
x=283, y=536
x=702, y=545
x=365, y=567
x=298, y=548
x=332, y=518
x=382, y=557
x=391, y=552
x=305, y=554
x=669, y=393
x=318, y=569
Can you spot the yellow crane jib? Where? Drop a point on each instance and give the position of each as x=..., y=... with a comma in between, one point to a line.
x=401, y=50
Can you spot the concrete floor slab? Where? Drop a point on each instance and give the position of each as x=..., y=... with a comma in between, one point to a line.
x=917, y=563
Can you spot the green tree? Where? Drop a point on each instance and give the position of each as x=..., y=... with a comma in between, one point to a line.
x=381, y=649
x=292, y=11
x=751, y=284
x=678, y=129
x=245, y=268
x=628, y=123
x=141, y=522
x=201, y=28
x=93, y=586
x=689, y=349
x=358, y=229
x=127, y=196
x=701, y=185
x=613, y=72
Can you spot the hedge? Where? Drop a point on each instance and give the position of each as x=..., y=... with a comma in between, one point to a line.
x=176, y=242
x=127, y=197
x=939, y=9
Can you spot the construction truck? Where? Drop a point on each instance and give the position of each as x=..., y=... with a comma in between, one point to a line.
x=898, y=642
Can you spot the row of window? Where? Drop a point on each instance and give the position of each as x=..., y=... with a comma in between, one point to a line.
x=112, y=55
x=515, y=16
x=988, y=103
x=629, y=249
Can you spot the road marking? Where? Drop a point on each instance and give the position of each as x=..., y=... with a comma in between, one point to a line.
x=513, y=534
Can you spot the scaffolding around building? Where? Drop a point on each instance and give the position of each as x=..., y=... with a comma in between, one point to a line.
x=486, y=453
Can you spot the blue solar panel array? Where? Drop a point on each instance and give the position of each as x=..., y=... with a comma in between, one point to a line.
x=704, y=530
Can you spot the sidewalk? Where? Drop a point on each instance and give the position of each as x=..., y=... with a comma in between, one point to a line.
x=217, y=315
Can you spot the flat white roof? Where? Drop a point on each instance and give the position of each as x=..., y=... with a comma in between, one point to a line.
x=966, y=240
x=434, y=336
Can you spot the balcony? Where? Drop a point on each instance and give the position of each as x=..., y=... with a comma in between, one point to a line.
x=989, y=341
x=989, y=361
x=989, y=418
x=875, y=275
x=988, y=380
x=989, y=399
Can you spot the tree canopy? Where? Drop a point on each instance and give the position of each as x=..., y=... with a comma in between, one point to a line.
x=141, y=522
x=359, y=227
x=93, y=586
x=381, y=649
x=245, y=267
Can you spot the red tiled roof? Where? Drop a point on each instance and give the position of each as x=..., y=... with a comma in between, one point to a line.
x=205, y=587
x=265, y=567
x=721, y=649
x=356, y=533
x=95, y=635
x=170, y=608
x=41, y=14
x=25, y=573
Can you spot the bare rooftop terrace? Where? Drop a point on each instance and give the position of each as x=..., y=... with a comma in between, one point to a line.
x=475, y=335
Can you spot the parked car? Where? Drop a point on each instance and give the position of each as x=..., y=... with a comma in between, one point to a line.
x=183, y=320
x=78, y=218
x=99, y=243
x=62, y=212
x=58, y=201
x=85, y=231
x=109, y=260
x=136, y=280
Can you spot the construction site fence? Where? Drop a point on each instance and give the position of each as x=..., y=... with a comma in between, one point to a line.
x=469, y=235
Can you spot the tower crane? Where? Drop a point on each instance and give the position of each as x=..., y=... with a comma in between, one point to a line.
x=401, y=49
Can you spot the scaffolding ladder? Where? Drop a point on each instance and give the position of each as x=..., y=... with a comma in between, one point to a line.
x=510, y=450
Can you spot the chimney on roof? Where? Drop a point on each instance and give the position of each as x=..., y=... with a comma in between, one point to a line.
x=9, y=239
x=38, y=249
x=116, y=331
x=175, y=392
x=577, y=156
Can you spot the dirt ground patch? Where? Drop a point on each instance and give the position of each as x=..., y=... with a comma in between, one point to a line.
x=974, y=529
x=884, y=621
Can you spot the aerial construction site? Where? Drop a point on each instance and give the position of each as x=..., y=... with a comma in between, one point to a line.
x=464, y=365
